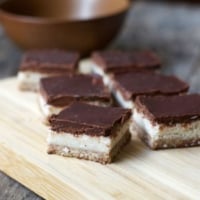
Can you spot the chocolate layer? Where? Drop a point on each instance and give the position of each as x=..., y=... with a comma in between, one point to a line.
x=50, y=61
x=80, y=118
x=120, y=61
x=170, y=110
x=133, y=84
x=63, y=90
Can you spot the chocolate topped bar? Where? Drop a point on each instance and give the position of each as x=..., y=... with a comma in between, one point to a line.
x=62, y=89
x=80, y=118
x=171, y=109
x=50, y=61
x=133, y=84
x=119, y=61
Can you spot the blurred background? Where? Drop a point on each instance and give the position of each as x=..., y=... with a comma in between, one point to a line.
x=170, y=28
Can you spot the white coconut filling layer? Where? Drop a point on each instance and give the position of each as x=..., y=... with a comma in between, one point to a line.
x=120, y=99
x=85, y=67
x=190, y=131
x=85, y=142
x=99, y=71
x=108, y=82
x=28, y=78
x=48, y=110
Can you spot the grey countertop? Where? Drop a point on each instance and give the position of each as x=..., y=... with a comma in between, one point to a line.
x=173, y=31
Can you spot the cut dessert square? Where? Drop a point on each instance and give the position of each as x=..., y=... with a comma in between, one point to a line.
x=105, y=63
x=127, y=86
x=168, y=122
x=89, y=132
x=37, y=64
x=56, y=93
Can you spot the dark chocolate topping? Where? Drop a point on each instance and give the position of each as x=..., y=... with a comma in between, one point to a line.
x=133, y=84
x=62, y=90
x=49, y=61
x=171, y=109
x=119, y=61
x=81, y=118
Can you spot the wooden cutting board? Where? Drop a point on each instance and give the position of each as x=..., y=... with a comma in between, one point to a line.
x=138, y=172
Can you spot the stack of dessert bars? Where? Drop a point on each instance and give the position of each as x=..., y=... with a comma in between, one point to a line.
x=90, y=116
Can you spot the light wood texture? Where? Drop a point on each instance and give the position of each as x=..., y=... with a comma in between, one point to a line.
x=138, y=173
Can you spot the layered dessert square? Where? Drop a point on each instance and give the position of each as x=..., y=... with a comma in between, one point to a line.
x=105, y=63
x=37, y=64
x=127, y=86
x=58, y=92
x=89, y=132
x=168, y=122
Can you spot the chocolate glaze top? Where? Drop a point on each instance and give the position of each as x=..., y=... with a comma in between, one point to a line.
x=49, y=61
x=80, y=118
x=170, y=110
x=62, y=90
x=119, y=61
x=133, y=84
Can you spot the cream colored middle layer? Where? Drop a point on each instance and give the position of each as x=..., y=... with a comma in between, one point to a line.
x=28, y=79
x=99, y=71
x=85, y=142
x=108, y=82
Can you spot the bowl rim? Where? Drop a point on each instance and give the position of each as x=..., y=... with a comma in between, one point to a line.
x=36, y=19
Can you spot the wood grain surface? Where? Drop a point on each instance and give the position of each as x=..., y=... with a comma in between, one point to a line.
x=138, y=172
x=171, y=30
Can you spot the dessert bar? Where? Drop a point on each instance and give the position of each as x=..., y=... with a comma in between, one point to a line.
x=37, y=64
x=58, y=92
x=89, y=132
x=168, y=121
x=109, y=62
x=127, y=86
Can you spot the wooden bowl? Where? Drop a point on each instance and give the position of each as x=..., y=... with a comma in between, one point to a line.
x=82, y=25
